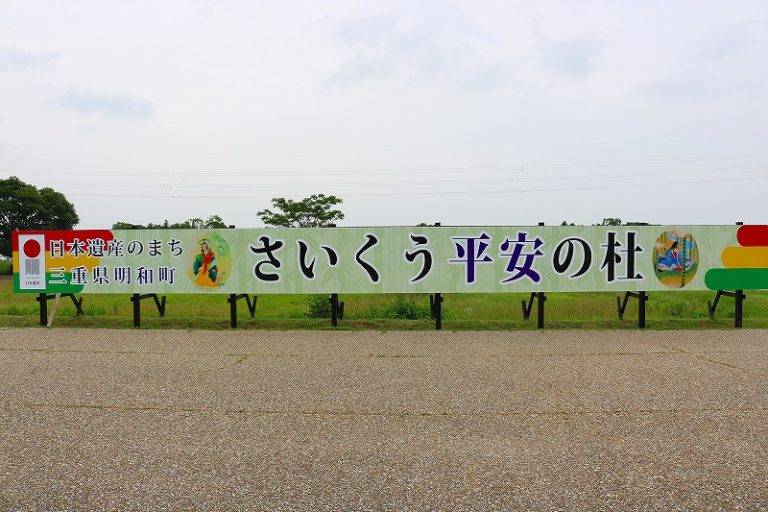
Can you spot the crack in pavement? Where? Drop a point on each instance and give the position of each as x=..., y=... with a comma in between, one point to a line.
x=368, y=355
x=402, y=413
x=714, y=361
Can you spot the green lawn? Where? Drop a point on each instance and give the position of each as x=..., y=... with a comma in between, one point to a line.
x=665, y=310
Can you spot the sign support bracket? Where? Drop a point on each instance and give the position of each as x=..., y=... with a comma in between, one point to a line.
x=540, y=298
x=136, y=298
x=337, y=309
x=233, y=298
x=53, y=312
x=436, y=309
x=739, y=296
x=642, y=298
x=43, y=299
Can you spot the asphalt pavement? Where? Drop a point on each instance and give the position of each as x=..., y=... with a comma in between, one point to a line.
x=341, y=420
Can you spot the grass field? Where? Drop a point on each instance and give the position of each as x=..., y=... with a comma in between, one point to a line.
x=665, y=310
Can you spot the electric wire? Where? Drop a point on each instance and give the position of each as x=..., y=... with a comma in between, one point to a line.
x=503, y=179
x=433, y=193
x=342, y=172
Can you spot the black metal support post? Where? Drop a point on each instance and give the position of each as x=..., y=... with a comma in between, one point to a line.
x=43, y=299
x=436, y=309
x=642, y=298
x=540, y=298
x=712, y=306
x=233, y=298
x=136, y=298
x=739, y=297
x=738, y=317
x=527, y=307
x=337, y=309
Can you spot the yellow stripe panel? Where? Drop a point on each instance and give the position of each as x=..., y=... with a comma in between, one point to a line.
x=745, y=257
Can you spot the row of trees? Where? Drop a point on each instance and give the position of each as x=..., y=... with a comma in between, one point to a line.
x=212, y=222
x=314, y=211
x=25, y=207
x=610, y=221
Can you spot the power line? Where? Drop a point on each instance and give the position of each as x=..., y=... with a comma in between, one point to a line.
x=612, y=175
x=415, y=170
x=432, y=193
x=433, y=182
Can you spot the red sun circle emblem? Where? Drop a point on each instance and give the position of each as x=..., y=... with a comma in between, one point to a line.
x=31, y=248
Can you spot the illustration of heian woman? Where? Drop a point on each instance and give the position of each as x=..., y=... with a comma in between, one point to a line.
x=205, y=267
x=671, y=259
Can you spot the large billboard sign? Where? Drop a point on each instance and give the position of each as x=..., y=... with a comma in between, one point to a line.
x=392, y=259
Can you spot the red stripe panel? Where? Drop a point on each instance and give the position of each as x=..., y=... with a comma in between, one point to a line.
x=67, y=236
x=751, y=236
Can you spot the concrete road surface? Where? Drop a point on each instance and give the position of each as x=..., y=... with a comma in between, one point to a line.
x=251, y=420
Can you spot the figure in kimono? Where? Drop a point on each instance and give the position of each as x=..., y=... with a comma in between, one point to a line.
x=204, y=266
x=671, y=259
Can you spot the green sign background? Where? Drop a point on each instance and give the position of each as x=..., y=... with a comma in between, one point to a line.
x=236, y=260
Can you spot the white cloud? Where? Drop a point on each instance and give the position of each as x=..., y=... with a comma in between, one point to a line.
x=442, y=46
x=116, y=106
x=13, y=59
x=573, y=57
x=345, y=85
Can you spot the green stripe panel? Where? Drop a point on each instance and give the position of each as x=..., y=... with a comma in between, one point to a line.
x=51, y=287
x=737, y=279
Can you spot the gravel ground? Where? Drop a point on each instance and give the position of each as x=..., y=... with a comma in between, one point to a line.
x=339, y=420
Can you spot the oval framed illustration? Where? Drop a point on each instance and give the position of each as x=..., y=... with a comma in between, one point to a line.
x=675, y=258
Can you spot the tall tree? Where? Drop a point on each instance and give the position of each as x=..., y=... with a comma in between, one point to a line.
x=311, y=212
x=24, y=207
x=214, y=222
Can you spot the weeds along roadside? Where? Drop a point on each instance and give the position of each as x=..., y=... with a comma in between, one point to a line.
x=392, y=311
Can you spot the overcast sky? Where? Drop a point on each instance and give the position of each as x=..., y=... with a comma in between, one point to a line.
x=464, y=112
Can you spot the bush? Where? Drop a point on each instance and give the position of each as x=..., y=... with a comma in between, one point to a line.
x=318, y=306
x=6, y=267
x=404, y=307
